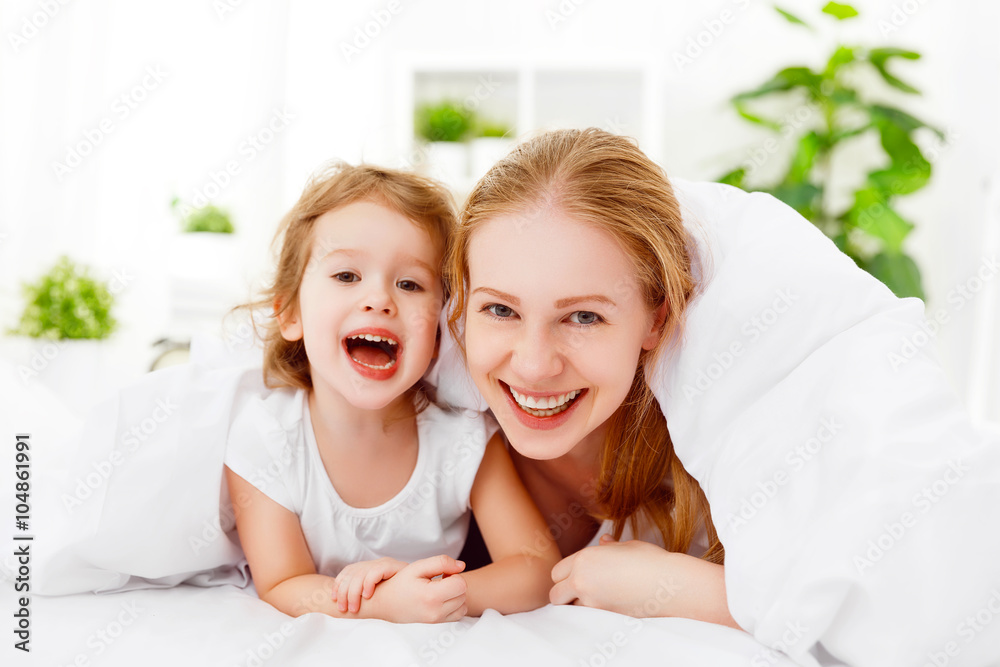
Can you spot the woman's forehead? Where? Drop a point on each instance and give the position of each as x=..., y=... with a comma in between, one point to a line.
x=555, y=252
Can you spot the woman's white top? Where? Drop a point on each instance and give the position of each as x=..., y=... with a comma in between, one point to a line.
x=271, y=444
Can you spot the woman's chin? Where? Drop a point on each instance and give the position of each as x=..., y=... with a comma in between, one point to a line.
x=540, y=446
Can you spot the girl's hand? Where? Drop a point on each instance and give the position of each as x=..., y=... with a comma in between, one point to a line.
x=358, y=580
x=641, y=579
x=412, y=595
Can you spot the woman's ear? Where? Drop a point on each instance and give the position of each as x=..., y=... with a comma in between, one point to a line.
x=289, y=322
x=659, y=319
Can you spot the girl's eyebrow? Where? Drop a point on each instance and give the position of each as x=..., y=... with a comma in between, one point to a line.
x=561, y=303
x=409, y=258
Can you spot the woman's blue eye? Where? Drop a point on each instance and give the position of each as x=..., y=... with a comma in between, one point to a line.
x=585, y=317
x=408, y=286
x=499, y=310
x=347, y=277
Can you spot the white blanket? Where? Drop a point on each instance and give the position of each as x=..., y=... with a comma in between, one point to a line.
x=855, y=499
x=225, y=626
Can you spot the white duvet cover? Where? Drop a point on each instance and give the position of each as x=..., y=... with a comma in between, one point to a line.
x=225, y=626
x=857, y=503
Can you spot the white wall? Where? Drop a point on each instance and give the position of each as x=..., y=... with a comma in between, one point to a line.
x=227, y=71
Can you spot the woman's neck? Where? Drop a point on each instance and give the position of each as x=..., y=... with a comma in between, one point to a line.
x=576, y=472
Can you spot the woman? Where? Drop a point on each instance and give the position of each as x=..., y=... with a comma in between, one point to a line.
x=571, y=272
x=844, y=476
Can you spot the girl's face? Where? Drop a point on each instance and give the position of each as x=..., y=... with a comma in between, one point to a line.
x=554, y=328
x=368, y=304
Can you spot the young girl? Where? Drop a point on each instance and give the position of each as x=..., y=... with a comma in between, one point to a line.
x=351, y=488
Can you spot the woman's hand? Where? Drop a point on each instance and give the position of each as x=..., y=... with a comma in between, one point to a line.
x=641, y=579
x=358, y=580
x=413, y=595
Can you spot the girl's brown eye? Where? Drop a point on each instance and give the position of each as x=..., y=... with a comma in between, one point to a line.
x=408, y=285
x=347, y=277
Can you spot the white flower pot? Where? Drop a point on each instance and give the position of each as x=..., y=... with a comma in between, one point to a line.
x=204, y=282
x=80, y=373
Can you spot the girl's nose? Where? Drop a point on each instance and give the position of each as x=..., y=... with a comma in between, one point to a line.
x=377, y=299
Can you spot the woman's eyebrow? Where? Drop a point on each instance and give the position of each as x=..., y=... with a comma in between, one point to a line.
x=510, y=298
x=598, y=298
x=561, y=303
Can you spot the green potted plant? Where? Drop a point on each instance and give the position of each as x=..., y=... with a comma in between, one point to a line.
x=444, y=127
x=827, y=109
x=208, y=219
x=491, y=140
x=63, y=328
x=203, y=269
x=67, y=304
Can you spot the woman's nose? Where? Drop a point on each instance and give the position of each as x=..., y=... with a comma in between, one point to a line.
x=536, y=356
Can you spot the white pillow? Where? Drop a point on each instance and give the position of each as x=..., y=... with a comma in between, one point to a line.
x=145, y=503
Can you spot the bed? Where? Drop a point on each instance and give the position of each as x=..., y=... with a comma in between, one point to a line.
x=219, y=623
x=856, y=499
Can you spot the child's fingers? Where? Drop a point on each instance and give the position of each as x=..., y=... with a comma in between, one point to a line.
x=435, y=565
x=342, y=594
x=373, y=577
x=354, y=595
x=452, y=605
x=453, y=587
x=458, y=612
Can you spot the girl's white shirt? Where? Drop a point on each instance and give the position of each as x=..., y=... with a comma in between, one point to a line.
x=271, y=444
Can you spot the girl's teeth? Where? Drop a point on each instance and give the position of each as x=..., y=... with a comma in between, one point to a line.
x=389, y=364
x=373, y=338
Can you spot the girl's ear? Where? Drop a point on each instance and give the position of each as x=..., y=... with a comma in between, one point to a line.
x=289, y=322
x=659, y=318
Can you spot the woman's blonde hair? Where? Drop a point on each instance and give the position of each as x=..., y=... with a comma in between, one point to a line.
x=425, y=202
x=606, y=181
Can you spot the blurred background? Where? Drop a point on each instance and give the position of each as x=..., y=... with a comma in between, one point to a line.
x=156, y=146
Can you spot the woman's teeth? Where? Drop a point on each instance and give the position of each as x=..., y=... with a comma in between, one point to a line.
x=545, y=406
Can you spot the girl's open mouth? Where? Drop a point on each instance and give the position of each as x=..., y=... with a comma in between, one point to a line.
x=375, y=352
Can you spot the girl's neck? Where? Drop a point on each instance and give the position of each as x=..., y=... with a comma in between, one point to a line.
x=334, y=420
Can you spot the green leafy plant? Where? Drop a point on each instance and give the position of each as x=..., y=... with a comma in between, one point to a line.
x=205, y=219
x=444, y=121
x=869, y=229
x=492, y=129
x=67, y=303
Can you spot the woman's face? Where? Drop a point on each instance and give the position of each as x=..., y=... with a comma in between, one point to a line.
x=554, y=328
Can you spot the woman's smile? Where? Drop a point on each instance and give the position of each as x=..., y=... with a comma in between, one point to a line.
x=542, y=410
